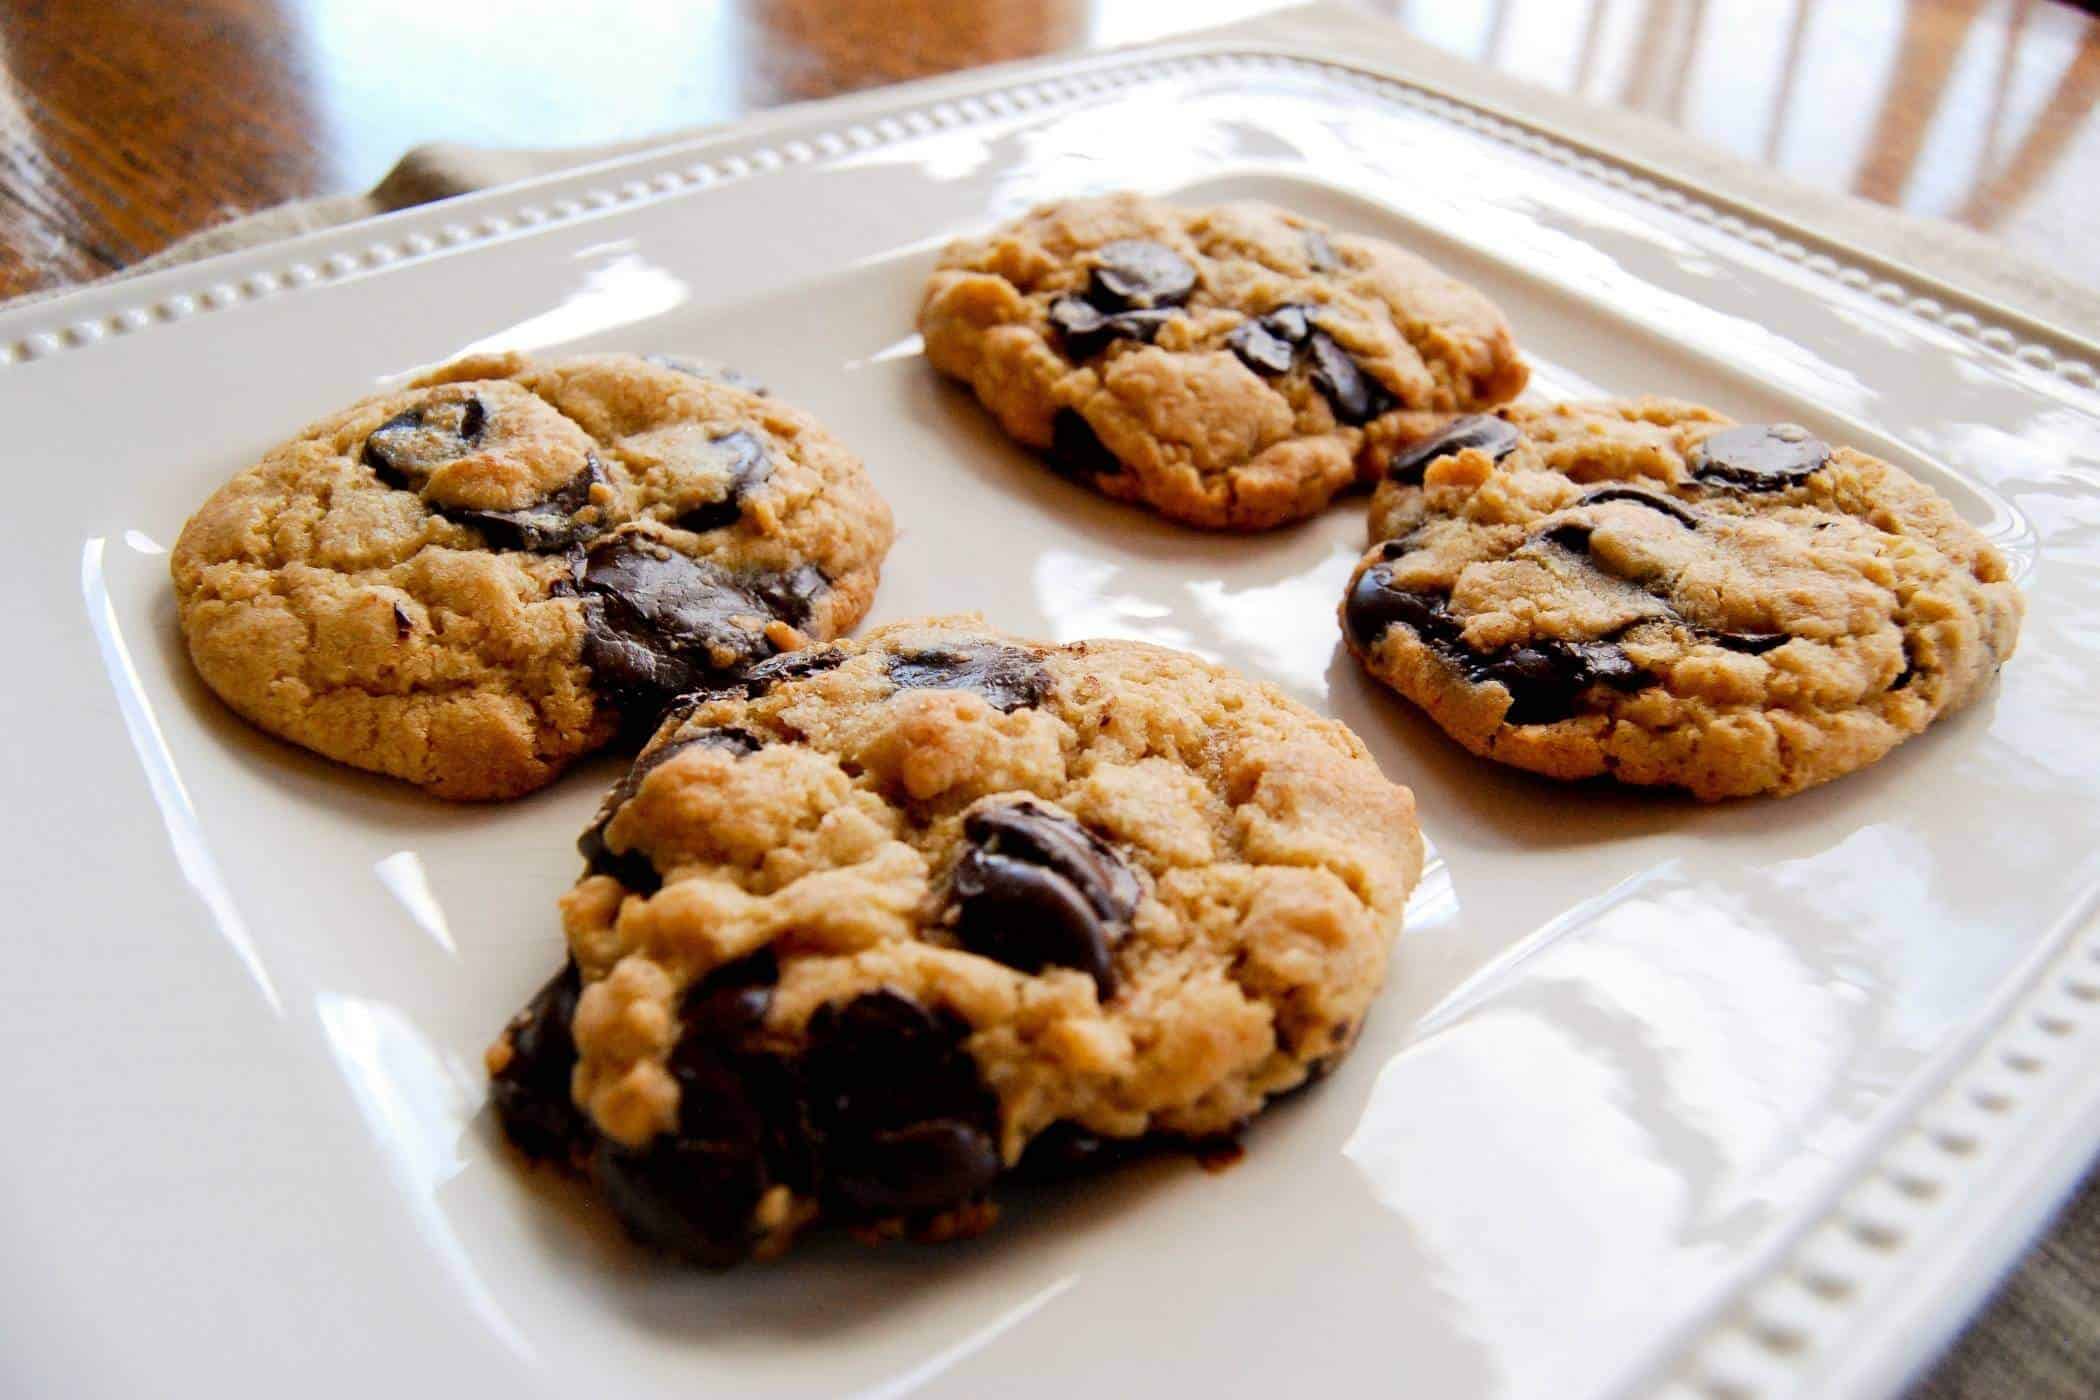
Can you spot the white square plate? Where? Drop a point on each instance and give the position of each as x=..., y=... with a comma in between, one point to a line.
x=1660, y=1097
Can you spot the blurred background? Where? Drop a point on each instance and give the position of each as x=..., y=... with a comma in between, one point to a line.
x=126, y=124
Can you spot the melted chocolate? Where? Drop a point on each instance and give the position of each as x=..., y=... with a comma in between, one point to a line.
x=1481, y=431
x=1009, y=678
x=1036, y=889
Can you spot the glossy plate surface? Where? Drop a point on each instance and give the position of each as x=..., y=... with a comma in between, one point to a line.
x=1659, y=1097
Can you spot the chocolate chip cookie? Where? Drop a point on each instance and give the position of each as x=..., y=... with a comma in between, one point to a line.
x=471, y=581
x=885, y=922
x=1232, y=367
x=1648, y=591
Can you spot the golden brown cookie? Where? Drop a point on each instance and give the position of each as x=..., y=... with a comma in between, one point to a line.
x=471, y=581
x=894, y=919
x=1231, y=367
x=1646, y=591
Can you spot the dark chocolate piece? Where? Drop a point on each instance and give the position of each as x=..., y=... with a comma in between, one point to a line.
x=694, y=1191
x=1399, y=549
x=790, y=666
x=1749, y=643
x=1909, y=672
x=1085, y=330
x=1655, y=501
x=745, y=465
x=1135, y=273
x=1760, y=457
x=531, y=1093
x=1270, y=345
x=1261, y=351
x=1037, y=889
x=1319, y=253
x=1075, y=451
x=417, y=441
x=905, y=1125
x=545, y=527
x=1545, y=679
x=1355, y=396
x=634, y=868
x=403, y=451
x=1494, y=436
x=659, y=624
x=1065, y=1150
x=1008, y=678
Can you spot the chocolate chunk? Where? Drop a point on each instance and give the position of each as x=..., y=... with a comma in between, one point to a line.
x=546, y=526
x=531, y=1092
x=403, y=623
x=1065, y=1150
x=1319, y=253
x=658, y=624
x=1136, y=272
x=1291, y=323
x=1482, y=431
x=713, y=374
x=1574, y=536
x=1664, y=505
x=417, y=441
x=1760, y=457
x=729, y=1003
x=1260, y=350
x=904, y=1124
x=790, y=666
x=693, y=1198
x=1085, y=331
x=1270, y=345
x=1375, y=604
x=1076, y=316
x=1076, y=452
x=1355, y=396
x=793, y=595
x=695, y=1190
x=1546, y=679
x=745, y=465
x=1008, y=678
x=1749, y=643
x=920, y=1168
x=1036, y=889
x=634, y=868
x=1909, y=672
x=1399, y=549
x=403, y=451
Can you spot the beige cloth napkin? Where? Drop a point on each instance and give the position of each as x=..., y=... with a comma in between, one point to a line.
x=2040, y=1336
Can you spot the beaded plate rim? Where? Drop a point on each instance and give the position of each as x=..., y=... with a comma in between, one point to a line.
x=414, y=235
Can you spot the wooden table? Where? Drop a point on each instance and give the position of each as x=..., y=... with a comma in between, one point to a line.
x=126, y=124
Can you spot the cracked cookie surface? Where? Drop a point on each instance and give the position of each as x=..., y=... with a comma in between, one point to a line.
x=1647, y=591
x=893, y=919
x=473, y=580
x=1232, y=367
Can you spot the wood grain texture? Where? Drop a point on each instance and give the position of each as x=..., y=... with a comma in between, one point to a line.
x=126, y=124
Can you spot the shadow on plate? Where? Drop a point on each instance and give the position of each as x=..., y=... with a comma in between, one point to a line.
x=829, y=1285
